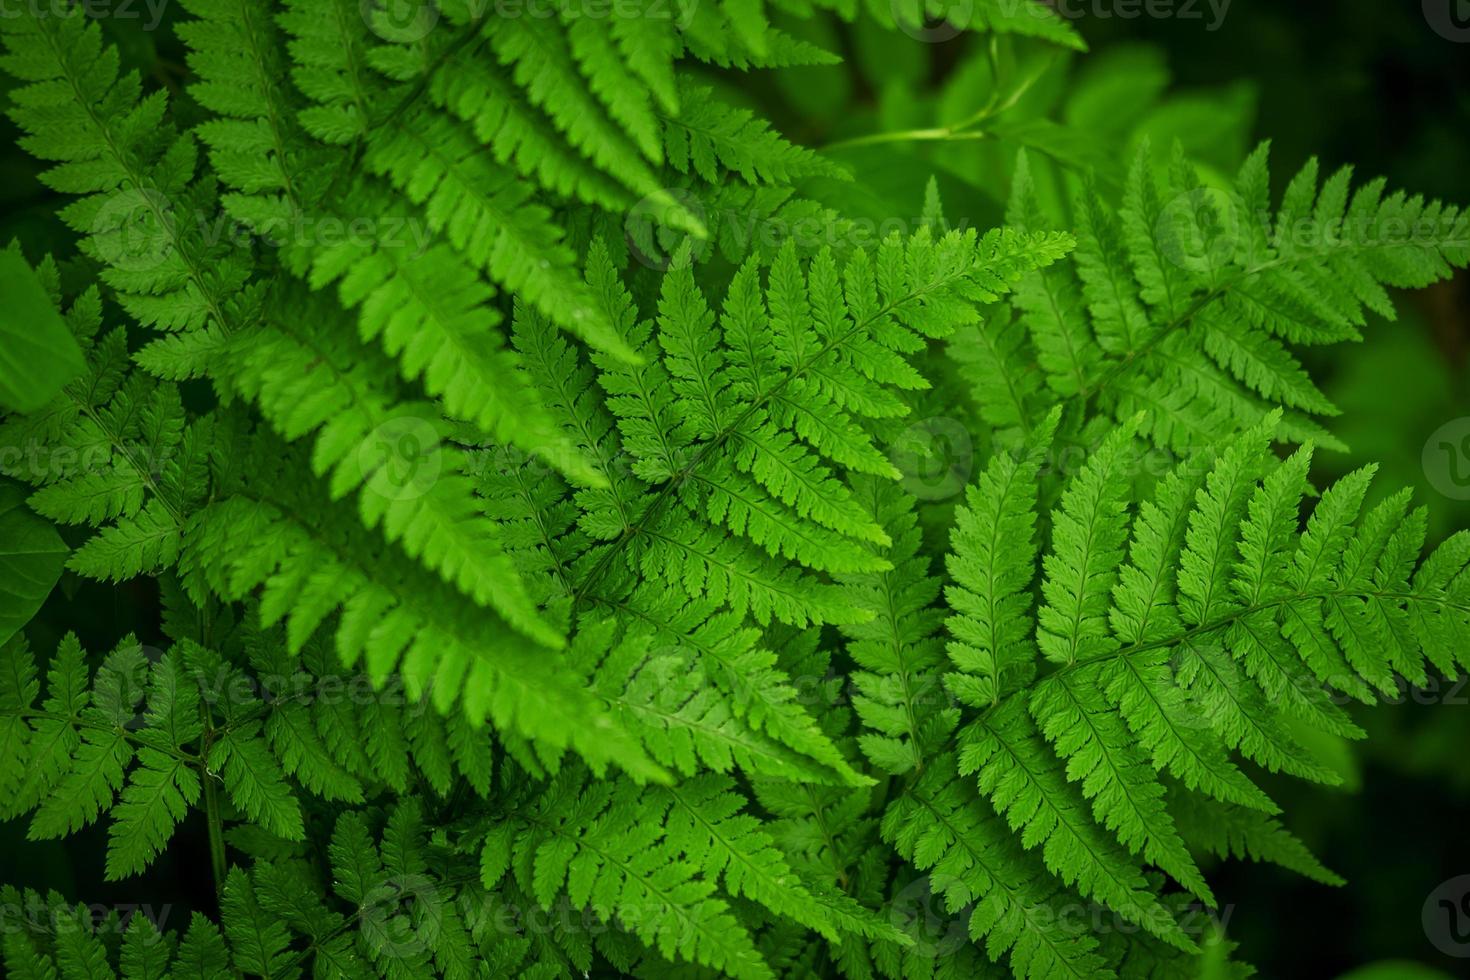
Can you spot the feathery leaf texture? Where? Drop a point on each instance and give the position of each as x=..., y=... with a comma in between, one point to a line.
x=544, y=585
x=1184, y=300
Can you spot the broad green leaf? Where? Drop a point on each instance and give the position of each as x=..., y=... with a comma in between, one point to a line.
x=32, y=556
x=37, y=352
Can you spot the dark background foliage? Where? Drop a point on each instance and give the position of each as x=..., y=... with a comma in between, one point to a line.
x=1348, y=80
x=1374, y=84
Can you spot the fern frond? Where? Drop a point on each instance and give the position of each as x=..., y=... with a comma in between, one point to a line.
x=123, y=742
x=138, y=199
x=601, y=846
x=838, y=354
x=898, y=686
x=309, y=563
x=119, y=455
x=1193, y=657
x=1187, y=298
x=941, y=826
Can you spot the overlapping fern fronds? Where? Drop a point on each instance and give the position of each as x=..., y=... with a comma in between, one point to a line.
x=1118, y=676
x=1184, y=301
x=533, y=611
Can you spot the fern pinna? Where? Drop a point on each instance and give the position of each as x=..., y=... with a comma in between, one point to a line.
x=542, y=587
